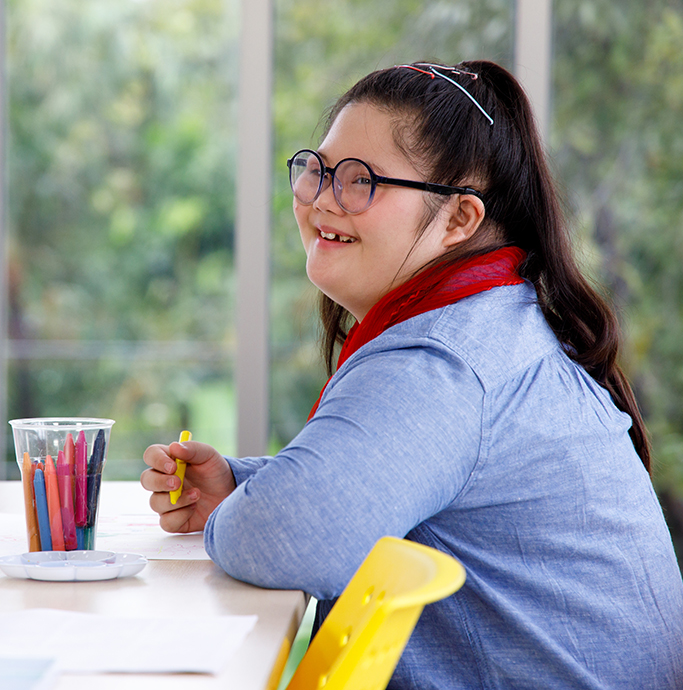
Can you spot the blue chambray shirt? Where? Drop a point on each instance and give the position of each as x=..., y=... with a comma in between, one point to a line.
x=468, y=429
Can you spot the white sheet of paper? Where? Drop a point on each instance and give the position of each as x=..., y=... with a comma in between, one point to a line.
x=12, y=534
x=141, y=534
x=89, y=643
x=121, y=533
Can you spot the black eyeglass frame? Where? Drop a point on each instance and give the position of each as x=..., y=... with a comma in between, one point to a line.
x=444, y=190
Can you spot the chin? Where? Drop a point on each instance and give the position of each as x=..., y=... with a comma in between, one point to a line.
x=320, y=278
x=330, y=293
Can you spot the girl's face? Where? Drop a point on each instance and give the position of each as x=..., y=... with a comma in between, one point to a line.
x=379, y=250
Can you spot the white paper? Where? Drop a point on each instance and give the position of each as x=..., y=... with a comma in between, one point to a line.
x=12, y=534
x=140, y=533
x=136, y=533
x=89, y=643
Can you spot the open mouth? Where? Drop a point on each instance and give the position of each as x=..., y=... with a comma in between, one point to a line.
x=333, y=237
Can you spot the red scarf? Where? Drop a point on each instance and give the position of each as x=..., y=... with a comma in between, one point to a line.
x=430, y=289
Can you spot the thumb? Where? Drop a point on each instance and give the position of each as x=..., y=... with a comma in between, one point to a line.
x=192, y=452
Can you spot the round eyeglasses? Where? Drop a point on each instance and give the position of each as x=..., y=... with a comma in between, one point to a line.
x=353, y=181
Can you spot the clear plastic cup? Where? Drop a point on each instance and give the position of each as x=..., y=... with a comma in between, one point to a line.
x=61, y=462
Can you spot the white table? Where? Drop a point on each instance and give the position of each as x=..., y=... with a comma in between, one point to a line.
x=196, y=584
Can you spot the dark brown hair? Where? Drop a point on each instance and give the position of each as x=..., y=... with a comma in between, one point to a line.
x=444, y=135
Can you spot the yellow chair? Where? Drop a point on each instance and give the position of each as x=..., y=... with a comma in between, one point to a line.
x=361, y=640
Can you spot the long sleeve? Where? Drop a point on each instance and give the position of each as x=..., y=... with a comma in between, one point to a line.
x=387, y=448
x=243, y=468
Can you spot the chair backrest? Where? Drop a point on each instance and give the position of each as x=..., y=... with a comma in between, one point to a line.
x=361, y=640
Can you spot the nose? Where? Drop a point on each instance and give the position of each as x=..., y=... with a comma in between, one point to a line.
x=326, y=200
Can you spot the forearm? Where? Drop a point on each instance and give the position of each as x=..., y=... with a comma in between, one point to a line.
x=359, y=470
x=274, y=532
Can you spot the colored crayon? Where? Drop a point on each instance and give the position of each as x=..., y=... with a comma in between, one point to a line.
x=81, y=480
x=53, y=507
x=42, y=511
x=180, y=469
x=70, y=451
x=95, y=476
x=29, y=505
x=89, y=537
x=65, y=481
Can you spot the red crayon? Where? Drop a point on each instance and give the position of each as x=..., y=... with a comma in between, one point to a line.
x=65, y=481
x=81, y=479
x=53, y=505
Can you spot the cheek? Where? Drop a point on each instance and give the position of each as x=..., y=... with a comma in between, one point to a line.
x=407, y=245
x=397, y=224
x=300, y=215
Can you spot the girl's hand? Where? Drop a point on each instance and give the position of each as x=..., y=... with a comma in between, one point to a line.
x=208, y=480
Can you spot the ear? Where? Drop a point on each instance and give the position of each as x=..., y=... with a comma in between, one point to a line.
x=466, y=215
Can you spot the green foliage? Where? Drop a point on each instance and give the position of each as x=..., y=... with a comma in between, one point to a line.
x=121, y=208
x=618, y=80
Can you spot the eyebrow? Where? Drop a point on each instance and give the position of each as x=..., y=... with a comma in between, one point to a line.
x=376, y=167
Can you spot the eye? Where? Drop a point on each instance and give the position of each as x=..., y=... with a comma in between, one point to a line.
x=313, y=169
x=361, y=180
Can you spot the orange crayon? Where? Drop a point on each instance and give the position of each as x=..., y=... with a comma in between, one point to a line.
x=65, y=482
x=29, y=505
x=53, y=505
x=70, y=451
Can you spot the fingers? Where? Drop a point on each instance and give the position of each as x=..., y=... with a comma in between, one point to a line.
x=153, y=480
x=208, y=480
x=161, y=475
x=176, y=521
x=192, y=452
x=162, y=462
x=161, y=479
x=162, y=458
x=157, y=457
x=160, y=501
x=174, y=518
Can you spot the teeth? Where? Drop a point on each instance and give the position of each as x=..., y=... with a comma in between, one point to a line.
x=334, y=236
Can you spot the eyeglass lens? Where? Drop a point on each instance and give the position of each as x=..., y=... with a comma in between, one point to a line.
x=352, y=184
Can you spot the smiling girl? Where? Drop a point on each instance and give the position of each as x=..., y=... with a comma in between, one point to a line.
x=476, y=405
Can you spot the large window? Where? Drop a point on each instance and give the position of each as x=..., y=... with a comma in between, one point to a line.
x=121, y=153
x=120, y=165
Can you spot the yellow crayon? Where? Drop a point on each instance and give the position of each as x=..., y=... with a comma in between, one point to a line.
x=180, y=469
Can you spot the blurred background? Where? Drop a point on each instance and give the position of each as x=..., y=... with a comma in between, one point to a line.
x=120, y=173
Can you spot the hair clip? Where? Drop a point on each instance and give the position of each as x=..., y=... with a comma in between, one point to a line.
x=434, y=71
x=432, y=66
